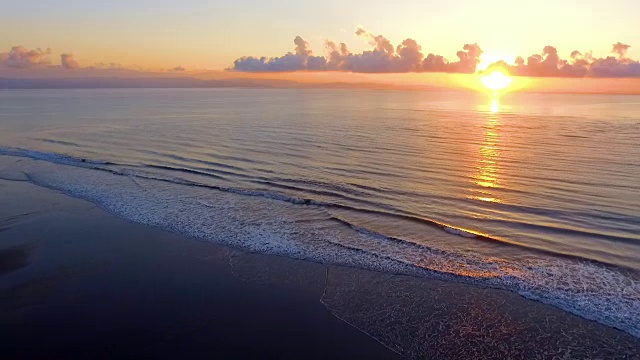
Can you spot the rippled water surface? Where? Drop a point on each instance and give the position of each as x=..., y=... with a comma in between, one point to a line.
x=537, y=193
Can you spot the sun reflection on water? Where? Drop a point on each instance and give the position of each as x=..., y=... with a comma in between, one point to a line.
x=495, y=106
x=486, y=179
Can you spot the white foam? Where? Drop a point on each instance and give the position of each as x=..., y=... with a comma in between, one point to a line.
x=459, y=232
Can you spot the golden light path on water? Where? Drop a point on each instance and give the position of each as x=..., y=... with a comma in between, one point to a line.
x=495, y=106
x=486, y=179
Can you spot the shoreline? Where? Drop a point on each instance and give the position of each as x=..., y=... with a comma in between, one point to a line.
x=266, y=225
x=85, y=261
x=417, y=317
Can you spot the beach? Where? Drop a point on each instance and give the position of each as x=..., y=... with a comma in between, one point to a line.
x=320, y=180
x=78, y=282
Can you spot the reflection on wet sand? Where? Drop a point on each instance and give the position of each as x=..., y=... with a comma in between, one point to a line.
x=421, y=318
x=429, y=319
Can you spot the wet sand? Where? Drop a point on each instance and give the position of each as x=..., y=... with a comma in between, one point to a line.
x=77, y=282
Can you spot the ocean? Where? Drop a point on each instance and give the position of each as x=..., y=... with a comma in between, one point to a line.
x=532, y=193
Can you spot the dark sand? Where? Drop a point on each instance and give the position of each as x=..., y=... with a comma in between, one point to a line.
x=77, y=282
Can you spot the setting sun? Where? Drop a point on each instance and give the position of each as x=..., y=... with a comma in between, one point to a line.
x=496, y=81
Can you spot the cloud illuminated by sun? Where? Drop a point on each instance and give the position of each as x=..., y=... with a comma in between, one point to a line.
x=486, y=59
x=496, y=81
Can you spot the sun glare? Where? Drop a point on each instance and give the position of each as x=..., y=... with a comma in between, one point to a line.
x=495, y=106
x=487, y=59
x=496, y=81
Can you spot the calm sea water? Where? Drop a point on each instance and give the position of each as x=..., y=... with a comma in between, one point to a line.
x=534, y=193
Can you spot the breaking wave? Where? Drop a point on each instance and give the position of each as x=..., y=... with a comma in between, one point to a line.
x=305, y=228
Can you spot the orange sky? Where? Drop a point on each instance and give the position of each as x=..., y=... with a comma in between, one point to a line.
x=205, y=34
x=150, y=37
x=454, y=81
x=401, y=81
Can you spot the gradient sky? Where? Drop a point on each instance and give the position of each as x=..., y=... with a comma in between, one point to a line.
x=211, y=34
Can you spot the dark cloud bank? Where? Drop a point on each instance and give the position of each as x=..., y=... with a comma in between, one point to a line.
x=409, y=57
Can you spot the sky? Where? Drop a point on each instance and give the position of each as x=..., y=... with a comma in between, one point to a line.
x=199, y=34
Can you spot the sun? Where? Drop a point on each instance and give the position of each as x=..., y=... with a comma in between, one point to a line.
x=496, y=81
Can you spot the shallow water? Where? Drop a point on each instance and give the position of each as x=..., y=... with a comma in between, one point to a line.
x=534, y=193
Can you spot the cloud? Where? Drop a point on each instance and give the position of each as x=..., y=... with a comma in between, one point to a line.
x=382, y=58
x=337, y=55
x=302, y=59
x=302, y=47
x=468, y=59
x=549, y=64
x=20, y=57
x=68, y=61
x=409, y=56
x=620, y=49
x=379, y=42
x=612, y=67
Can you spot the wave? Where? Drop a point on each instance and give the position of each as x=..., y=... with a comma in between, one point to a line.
x=136, y=170
x=52, y=157
x=189, y=171
x=69, y=160
x=269, y=222
x=59, y=142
